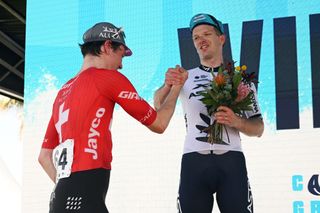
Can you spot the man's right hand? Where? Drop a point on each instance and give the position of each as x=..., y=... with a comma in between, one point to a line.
x=176, y=76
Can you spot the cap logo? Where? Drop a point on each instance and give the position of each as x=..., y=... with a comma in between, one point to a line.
x=109, y=32
x=106, y=31
x=199, y=18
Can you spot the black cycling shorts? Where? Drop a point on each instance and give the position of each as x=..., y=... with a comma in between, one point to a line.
x=225, y=175
x=82, y=192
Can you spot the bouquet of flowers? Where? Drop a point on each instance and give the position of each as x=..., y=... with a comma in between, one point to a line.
x=230, y=87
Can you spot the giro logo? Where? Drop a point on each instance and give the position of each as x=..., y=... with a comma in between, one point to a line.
x=129, y=95
x=313, y=185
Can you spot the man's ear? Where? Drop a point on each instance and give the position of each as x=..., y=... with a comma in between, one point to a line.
x=222, y=39
x=106, y=47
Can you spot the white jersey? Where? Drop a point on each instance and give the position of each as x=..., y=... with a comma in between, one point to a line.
x=195, y=114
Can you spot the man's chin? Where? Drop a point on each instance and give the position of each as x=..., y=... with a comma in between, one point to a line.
x=206, y=57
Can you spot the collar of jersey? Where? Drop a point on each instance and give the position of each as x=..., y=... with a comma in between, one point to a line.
x=209, y=69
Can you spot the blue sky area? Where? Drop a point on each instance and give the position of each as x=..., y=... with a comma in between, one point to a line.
x=55, y=28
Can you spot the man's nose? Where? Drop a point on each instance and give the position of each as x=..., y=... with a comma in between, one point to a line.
x=201, y=40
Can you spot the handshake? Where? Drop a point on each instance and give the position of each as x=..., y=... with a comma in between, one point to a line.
x=176, y=76
x=174, y=81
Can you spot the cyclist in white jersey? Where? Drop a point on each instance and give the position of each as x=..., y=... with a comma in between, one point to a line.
x=209, y=169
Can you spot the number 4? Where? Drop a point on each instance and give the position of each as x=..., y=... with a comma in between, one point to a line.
x=63, y=158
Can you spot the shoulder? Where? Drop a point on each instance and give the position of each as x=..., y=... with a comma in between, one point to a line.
x=106, y=74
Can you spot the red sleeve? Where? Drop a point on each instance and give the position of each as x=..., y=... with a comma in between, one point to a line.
x=51, y=138
x=118, y=88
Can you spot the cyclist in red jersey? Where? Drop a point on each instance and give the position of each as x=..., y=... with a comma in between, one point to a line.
x=76, y=150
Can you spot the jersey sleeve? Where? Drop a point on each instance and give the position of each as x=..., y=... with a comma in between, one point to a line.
x=118, y=88
x=255, y=112
x=51, y=138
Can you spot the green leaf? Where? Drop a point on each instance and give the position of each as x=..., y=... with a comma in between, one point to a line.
x=236, y=79
x=208, y=101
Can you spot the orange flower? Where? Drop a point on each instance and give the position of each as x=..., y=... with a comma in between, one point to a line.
x=220, y=80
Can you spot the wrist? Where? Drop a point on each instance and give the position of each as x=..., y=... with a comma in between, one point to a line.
x=167, y=87
x=176, y=87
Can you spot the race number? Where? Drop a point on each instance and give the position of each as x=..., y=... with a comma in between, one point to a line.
x=63, y=158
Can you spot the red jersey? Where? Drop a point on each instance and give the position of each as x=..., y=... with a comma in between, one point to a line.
x=82, y=111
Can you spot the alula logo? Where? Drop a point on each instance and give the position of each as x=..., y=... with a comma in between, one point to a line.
x=313, y=187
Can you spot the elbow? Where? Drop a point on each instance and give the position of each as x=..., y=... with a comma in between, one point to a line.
x=44, y=157
x=157, y=128
x=257, y=127
x=41, y=159
x=255, y=130
x=261, y=130
x=160, y=130
x=260, y=133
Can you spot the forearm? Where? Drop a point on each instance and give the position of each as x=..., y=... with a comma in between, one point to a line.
x=167, y=108
x=165, y=111
x=160, y=96
x=251, y=126
x=50, y=170
x=45, y=160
